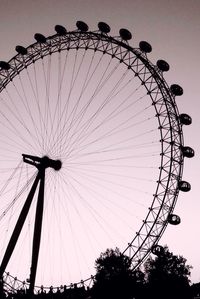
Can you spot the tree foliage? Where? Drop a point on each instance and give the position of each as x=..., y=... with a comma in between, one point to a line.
x=114, y=277
x=168, y=276
x=165, y=277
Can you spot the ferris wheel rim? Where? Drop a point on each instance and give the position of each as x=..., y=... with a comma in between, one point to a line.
x=171, y=167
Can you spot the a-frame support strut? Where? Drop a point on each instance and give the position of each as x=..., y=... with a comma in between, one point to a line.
x=41, y=164
x=37, y=230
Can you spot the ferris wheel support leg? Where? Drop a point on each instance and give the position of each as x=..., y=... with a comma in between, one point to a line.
x=37, y=231
x=18, y=226
x=1, y=287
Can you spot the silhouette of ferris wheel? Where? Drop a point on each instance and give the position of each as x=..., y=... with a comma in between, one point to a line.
x=91, y=152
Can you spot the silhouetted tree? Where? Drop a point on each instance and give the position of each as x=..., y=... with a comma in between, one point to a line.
x=168, y=276
x=195, y=289
x=114, y=277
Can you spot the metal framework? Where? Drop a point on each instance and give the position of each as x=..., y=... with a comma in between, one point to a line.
x=166, y=112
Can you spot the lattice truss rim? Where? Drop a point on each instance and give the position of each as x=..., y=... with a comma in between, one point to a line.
x=166, y=111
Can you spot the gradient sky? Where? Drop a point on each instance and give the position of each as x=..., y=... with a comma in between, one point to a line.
x=172, y=28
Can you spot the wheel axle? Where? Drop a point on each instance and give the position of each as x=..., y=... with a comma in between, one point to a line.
x=43, y=162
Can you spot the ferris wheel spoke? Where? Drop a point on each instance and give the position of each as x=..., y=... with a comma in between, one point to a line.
x=101, y=201
x=98, y=88
x=106, y=120
x=85, y=107
x=24, y=99
x=82, y=112
x=66, y=208
x=79, y=97
x=97, y=217
x=57, y=113
x=66, y=105
x=111, y=133
x=108, y=173
x=111, y=147
x=14, y=131
x=114, y=148
x=100, y=180
x=86, y=126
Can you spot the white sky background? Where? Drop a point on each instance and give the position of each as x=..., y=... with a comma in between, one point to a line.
x=172, y=28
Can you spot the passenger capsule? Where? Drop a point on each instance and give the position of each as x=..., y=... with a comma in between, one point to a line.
x=176, y=89
x=163, y=65
x=60, y=30
x=174, y=219
x=187, y=152
x=82, y=26
x=157, y=250
x=103, y=27
x=184, y=186
x=125, y=34
x=185, y=119
x=4, y=65
x=21, y=50
x=145, y=47
x=40, y=38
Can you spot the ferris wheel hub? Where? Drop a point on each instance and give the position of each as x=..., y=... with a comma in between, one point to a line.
x=43, y=162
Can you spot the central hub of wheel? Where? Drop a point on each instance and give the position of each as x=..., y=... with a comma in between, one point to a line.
x=43, y=162
x=47, y=162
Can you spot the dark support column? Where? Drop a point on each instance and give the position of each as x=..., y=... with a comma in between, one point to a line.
x=1, y=288
x=41, y=164
x=18, y=226
x=37, y=230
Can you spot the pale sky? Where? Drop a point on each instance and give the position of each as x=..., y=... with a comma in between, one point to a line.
x=172, y=28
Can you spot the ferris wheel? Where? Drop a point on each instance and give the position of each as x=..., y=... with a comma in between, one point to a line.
x=92, y=155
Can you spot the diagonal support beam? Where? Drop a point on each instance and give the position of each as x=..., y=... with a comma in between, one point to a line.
x=37, y=230
x=18, y=226
x=41, y=164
